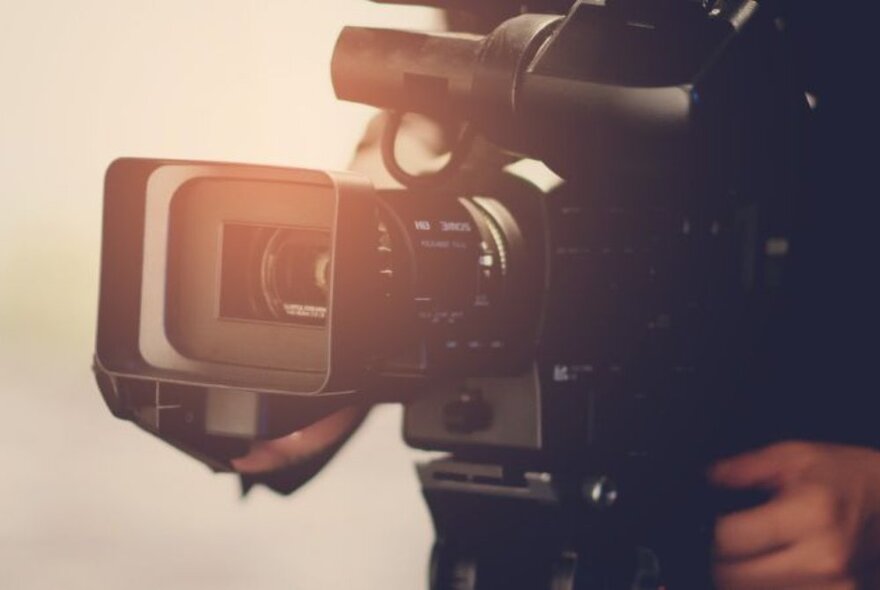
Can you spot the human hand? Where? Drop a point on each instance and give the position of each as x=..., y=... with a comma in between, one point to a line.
x=300, y=446
x=819, y=531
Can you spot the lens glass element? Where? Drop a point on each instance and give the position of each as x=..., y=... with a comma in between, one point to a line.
x=275, y=274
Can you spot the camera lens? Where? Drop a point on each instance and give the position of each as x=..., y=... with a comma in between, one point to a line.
x=295, y=275
x=275, y=274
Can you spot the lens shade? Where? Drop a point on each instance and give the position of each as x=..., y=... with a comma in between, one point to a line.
x=241, y=286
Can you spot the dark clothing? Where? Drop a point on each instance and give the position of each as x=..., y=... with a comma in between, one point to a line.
x=832, y=318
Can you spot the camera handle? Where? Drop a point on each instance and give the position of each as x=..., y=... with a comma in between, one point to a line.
x=457, y=155
x=498, y=528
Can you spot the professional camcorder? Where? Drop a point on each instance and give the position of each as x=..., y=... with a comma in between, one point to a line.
x=582, y=321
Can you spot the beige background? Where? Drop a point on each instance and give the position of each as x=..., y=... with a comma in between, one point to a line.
x=90, y=502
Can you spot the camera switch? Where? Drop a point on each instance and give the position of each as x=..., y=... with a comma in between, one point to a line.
x=467, y=414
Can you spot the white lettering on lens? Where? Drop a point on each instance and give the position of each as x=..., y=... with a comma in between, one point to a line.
x=443, y=244
x=457, y=226
x=423, y=225
x=300, y=310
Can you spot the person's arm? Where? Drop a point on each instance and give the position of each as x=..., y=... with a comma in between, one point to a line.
x=286, y=463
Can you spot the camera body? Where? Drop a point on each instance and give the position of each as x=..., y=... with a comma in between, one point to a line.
x=583, y=324
x=518, y=323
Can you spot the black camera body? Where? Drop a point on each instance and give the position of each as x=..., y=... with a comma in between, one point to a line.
x=677, y=138
x=553, y=335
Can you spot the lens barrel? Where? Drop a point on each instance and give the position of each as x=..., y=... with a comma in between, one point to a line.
x=452, y=298
x=275, y=274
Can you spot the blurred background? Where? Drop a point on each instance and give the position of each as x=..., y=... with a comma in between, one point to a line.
x=87, y=501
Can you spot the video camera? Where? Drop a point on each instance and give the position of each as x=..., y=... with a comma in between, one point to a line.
x=577, y=326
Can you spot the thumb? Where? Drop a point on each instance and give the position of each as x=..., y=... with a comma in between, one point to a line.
x=764, y=468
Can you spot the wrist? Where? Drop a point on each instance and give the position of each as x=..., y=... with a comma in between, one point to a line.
x=869, y=465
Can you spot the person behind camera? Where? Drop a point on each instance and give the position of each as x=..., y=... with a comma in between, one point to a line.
x=820, y=529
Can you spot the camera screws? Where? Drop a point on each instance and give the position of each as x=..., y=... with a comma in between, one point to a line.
x=600, y=492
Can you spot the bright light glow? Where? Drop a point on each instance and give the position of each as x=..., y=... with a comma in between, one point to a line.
x=88, y=502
